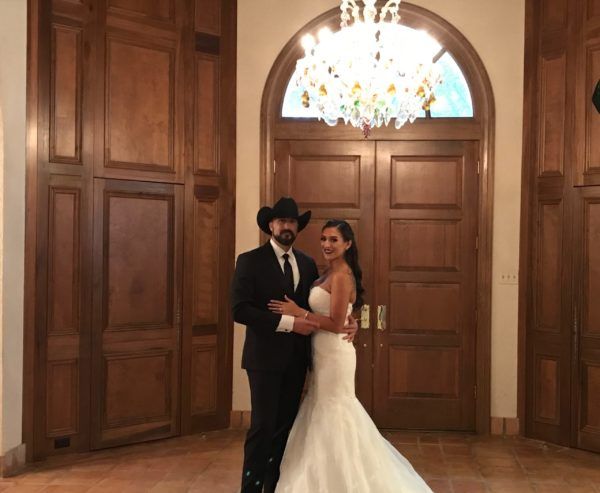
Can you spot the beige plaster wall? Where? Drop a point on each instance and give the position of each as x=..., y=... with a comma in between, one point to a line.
x=495, y=29
x=13, y=58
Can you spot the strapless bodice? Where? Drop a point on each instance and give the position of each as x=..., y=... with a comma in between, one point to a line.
x=320, y=302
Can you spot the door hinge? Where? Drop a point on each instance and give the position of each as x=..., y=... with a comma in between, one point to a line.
x=478, y=166
x=274, y=166
x=477, y=243
x=475, y=391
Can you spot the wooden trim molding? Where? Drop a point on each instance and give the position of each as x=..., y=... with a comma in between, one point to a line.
x=480, y=128
x=30, y=226
x=527, y=181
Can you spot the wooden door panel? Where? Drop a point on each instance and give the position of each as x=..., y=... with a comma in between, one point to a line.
x=66, y=94
x=336, y=181
x=204, y=381
x=426, y=220
x=552, y=122
x=548, y=372
x=588, y=392
x=137, y=254
x=62, y=403
x=137, y=387
x=339, y=174
x=547, y=389
x=427, y=245
x=424, y=307
x=549, y=268
x=163, y=10
x=138, y=264
x=426, y=182
x=206, y=113
x=139, y=106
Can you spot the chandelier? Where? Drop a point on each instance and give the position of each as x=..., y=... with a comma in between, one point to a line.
x=372, y=70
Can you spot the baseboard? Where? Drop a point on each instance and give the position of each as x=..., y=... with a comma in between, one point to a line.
x=240, y=420
x=504, y=426
x=13, y=461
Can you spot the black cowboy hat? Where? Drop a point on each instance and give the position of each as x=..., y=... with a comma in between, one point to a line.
x=285, y=207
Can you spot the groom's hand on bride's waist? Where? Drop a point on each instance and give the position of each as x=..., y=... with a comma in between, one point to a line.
x=304, y=326
x=350, y=329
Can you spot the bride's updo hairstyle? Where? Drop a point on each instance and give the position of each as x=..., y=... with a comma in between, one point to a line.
x=351, y=256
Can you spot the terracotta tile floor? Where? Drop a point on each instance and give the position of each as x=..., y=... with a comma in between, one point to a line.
x=211, y=463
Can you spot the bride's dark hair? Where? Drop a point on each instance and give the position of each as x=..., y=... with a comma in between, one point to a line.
x=351, y=256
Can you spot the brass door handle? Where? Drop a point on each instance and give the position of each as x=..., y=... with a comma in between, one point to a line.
x=365, y=317
x=381, y=317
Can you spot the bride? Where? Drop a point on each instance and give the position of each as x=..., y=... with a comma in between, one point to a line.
x=334, y=446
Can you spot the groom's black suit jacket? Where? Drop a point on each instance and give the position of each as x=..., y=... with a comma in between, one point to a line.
x=258, y=279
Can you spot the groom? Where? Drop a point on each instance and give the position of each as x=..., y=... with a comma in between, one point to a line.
x=277, y=349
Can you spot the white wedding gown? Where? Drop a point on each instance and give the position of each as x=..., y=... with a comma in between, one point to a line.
x=334, y=446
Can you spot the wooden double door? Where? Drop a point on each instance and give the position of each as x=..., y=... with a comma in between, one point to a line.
x=414, y=208
x=130, y=240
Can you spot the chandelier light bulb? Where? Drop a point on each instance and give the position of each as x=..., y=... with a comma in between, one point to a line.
x=324, y=33
x=371, y=71
x=308, y=42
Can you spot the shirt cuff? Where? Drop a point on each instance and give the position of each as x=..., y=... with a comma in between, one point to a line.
x=286, y=324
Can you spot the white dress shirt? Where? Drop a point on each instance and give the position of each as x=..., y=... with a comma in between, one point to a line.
x=286, y=324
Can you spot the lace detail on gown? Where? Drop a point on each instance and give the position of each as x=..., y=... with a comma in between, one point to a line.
x=334, y=446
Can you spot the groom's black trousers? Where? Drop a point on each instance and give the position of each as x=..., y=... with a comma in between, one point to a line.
x=275, y=398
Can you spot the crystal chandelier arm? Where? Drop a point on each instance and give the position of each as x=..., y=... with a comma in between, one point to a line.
x=390, y=7
x=345, y=7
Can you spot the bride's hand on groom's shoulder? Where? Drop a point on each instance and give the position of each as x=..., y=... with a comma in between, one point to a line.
x=287, y=307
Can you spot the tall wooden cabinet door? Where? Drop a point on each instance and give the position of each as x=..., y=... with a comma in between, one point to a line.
x=136, y=299
x=334, y=179
x=587, y=324
x=549, y=335
x=425, y=271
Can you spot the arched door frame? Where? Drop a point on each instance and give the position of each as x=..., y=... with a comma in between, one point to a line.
x=479, y=128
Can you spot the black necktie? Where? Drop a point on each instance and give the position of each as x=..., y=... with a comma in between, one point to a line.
x=288, y=276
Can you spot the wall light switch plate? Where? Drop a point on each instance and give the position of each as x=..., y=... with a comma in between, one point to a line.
x=509, y=278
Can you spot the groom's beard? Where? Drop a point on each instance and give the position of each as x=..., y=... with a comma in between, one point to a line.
x=286, y=237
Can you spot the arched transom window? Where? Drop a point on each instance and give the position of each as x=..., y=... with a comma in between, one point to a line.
x=453, y=97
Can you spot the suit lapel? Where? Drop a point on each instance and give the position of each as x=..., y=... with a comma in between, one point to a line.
x=273, y=263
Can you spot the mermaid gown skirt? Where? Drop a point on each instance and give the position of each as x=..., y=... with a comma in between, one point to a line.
x=334, y=446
